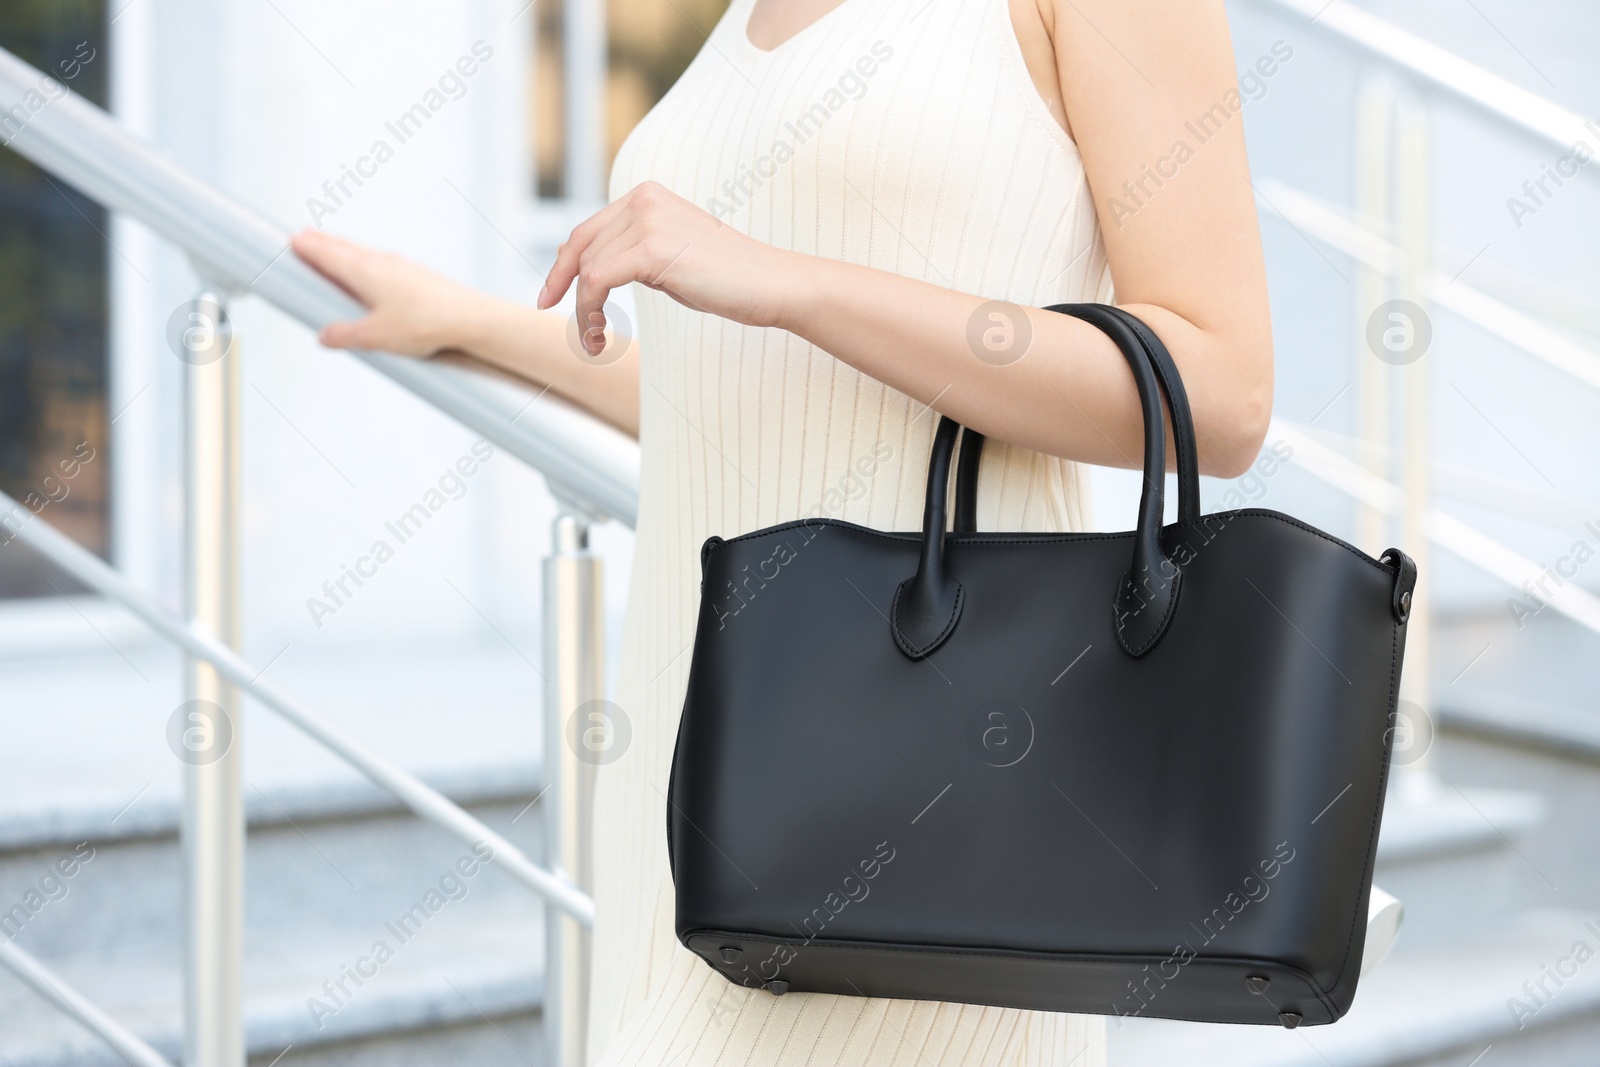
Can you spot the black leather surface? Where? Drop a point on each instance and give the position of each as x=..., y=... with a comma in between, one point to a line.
x=1028, y=815
x=927, y=605
x=1040, y=981
x=1178, y=406
x=967, y=465
x=1146, y=596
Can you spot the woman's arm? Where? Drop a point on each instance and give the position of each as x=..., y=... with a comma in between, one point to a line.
x=412, y=311
x=1188, y=261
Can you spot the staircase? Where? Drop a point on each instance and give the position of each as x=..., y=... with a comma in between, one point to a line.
x=1497, y=871
x=333, y=868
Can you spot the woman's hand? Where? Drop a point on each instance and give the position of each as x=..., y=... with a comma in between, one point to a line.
x=657, y=238
x=411, y=310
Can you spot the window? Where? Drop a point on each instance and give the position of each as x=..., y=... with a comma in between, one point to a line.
x=53, y=308
x=649, y=45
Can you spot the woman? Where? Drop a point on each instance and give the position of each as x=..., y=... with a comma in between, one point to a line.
x=842, y=218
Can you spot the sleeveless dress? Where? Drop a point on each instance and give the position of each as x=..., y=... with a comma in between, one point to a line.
x=905, y=135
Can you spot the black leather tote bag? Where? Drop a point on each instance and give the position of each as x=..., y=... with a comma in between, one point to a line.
x=1122, y=774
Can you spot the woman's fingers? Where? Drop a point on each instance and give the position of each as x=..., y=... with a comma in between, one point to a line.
x=623, y=262
x=567, y=265
x=342, y=262
x=353, y=334
x=596, y=278
x=657, y=238
x=410, y=310
x=609, y=250
x=593, y=288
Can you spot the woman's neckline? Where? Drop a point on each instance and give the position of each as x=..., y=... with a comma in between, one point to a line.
x=783, y=45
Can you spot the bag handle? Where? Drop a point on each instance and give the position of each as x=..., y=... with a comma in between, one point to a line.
x=971, y=446
x=927, y=606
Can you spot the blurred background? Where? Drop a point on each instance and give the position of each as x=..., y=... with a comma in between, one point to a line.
x=1437, y=321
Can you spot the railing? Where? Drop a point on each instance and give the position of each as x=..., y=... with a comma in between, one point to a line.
x=593, y=471
x=39, y=978
x=589, y=464
x=1437, y=70
x=591, y=468
x=1389, y=234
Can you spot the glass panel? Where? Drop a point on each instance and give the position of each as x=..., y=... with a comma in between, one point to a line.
x=53, y=308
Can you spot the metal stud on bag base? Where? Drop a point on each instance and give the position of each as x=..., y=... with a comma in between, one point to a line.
x=1258, y=984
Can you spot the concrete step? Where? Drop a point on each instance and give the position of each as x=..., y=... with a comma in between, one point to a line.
x=87, y=757
x=1440, y=819
x=1564, y=728
x=1548, y=658
x=514, y=1040
x=332, y=863
x=1437, y=837
x=466, y=981
x=1419, y=1006
x=350, y=872
x=1551, y=864
x=1537, y=685
x=461, y=959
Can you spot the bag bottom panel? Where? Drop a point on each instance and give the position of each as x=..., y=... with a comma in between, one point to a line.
x=1198, y=989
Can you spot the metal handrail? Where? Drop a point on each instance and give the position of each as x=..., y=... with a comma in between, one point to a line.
x=49, y=985
x=1439, y=69
x=590, y=467
x=1468, y=485
x=1317, y=219
x=1443, y=529
x=587, y=462
x=421, y=798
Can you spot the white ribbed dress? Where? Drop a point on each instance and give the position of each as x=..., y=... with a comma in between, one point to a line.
x=905, y=135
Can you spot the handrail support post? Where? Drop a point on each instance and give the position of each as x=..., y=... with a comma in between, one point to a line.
x=578, y=733
x=206, y=737
x=1414, y=223
x=1374, y=132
